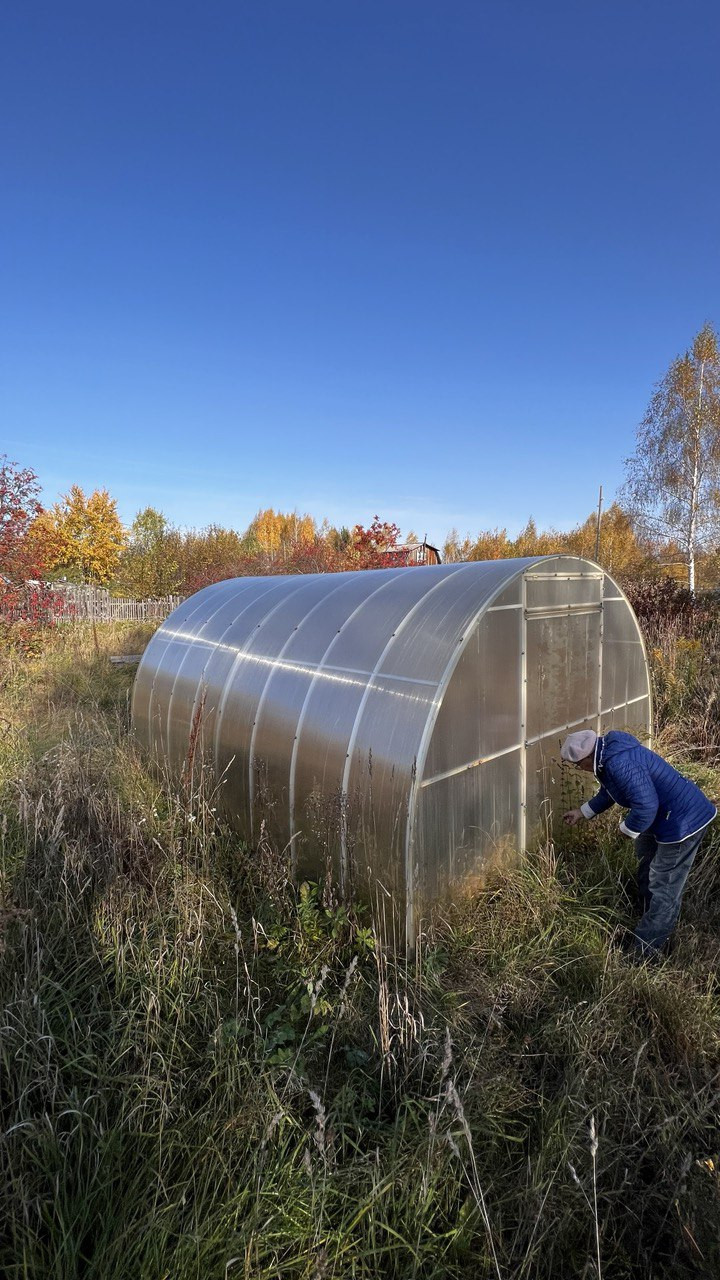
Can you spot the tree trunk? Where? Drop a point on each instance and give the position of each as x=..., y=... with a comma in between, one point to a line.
x=695, y=487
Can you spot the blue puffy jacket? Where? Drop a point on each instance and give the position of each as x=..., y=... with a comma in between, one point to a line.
x=660, y=800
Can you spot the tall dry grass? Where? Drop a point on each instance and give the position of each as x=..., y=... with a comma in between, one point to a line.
x=207, y=1072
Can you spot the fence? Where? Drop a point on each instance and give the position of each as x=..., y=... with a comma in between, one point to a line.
x=95, y=604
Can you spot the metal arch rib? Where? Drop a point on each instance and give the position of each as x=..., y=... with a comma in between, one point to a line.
x=641, y=639
x=306, y=700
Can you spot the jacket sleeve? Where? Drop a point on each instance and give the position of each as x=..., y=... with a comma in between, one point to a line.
x=601, y=801
x=644, y=803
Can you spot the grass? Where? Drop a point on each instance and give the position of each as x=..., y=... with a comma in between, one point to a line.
x=205, y=1072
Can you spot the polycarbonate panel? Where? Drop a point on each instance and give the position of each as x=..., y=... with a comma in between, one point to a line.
x=174, y=640
x=440, y=627
x=546, y=781
x=583, y=681
x=632, y=717
x=464, y=824
x=625, y=674
x=480, y=712
x=237, y=724
x=565, y=564
x=156, y=673
x=587, y=589
x=510, y=597
x=255, y=642
x=188, y=699
x=256, y=660
x=324, y=736
x=560, y=591
x=563, y=668
x=231, y=625
x=299, y=663
x=317, y=701
x=381, y=765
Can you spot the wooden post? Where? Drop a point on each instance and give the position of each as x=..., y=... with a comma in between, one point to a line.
x=597, y=527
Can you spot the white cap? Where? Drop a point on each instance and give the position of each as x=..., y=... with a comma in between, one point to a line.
x=578, y=745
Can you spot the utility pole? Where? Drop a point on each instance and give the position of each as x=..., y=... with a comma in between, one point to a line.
x=597, y=527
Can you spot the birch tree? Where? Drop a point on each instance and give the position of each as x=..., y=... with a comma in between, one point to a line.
x=673, y=478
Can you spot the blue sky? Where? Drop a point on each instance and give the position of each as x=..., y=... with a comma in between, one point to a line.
x=424, y=259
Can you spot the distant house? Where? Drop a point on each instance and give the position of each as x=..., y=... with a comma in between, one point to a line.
x=416, y=553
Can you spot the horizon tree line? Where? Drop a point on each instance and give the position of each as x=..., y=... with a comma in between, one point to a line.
x=666, y=517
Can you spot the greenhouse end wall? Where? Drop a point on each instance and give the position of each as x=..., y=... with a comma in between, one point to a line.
x=395, y=728
x=558, y=650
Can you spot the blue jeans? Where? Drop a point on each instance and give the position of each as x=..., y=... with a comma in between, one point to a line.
x=662, y=872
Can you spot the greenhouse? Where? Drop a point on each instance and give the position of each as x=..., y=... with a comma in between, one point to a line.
x=396, y=728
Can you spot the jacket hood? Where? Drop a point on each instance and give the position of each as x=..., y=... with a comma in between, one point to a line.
x=613, y=744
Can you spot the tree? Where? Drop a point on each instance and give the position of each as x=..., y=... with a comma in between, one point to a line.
x=338, y=539
x=150, y=563
x=81, y=536
x=620, y=551
x=374, y=547
x=24, y=601
x=19, y=507
x=673, y=478
x=490, y=544
x=279, y=534
x=210, y=555
x=454, y=550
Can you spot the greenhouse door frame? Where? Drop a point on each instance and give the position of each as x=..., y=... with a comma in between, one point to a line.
x=539, y=614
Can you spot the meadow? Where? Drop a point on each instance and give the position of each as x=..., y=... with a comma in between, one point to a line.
x=208, y=1072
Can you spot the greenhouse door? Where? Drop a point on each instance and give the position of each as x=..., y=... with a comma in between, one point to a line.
x=562, y=621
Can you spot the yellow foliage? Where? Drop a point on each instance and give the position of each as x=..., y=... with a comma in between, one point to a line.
x=620, y=551
x=275, y=530
x=81, y=535
x=492, y=544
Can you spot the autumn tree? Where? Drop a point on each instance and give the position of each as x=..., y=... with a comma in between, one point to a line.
x=673, y=478
x=456, y=549
x=24, y=601
x=490, y=544
x=374, y=546
x=81, y=536
x=338, y=539
x=278, y=533
x=150, y=563
x=210, y=555
x=19, y=507
x=620, y=551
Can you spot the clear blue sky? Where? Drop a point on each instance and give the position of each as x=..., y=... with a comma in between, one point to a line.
x=424, y=259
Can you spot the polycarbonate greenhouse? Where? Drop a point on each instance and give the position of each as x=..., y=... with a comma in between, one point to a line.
x=399, y=727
